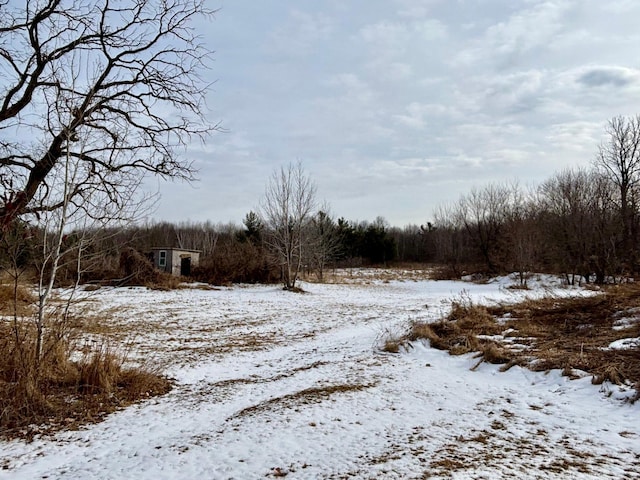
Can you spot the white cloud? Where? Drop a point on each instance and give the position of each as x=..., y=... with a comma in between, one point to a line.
x=393, y=71
x=391, y=35
x=415, y=8
x=417, y=115
x=514, y=93
x=300, y=34
x=579, y=136
x=401, y=105
x=505, y=42
x=351, y=89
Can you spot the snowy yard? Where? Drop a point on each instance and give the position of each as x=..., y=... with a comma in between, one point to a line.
x=272, y=384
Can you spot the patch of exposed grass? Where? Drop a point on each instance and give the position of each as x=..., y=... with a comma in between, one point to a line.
x=368, y=275
x=448, y=464
x=492, y=352
x=198, y=286
x=482, y=437
x=458, y=332
x=15, y=299
x=392, y=345
x=60, y=393
x=308, y=395
x=571, y=334
x=253, y=380
x=391, y=340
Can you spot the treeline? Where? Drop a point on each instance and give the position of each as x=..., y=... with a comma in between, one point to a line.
x=229, y=253
x=241, y=254
x=572, y=224
x=583, y=223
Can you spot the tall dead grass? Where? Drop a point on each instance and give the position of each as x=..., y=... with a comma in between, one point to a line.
x=571, y=334
x=15, y=298
x=458, y=332
x=57, y=391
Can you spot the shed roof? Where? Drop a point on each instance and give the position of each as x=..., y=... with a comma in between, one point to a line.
x=178, y=249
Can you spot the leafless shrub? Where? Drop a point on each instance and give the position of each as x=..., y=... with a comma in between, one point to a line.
x=444, y=272
x=139, y=270
x=236, y=262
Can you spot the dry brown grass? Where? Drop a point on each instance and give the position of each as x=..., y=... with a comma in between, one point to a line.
x=391, y=340
x=392, y=345
x=58, y=393
x=458, y=332
x=373, y=274
x=445, y=272
x=558, y=333
x=492, y=352
x=15, y=298
x=306, y=396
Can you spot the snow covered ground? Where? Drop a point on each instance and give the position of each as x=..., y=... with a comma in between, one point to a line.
x=273, y=384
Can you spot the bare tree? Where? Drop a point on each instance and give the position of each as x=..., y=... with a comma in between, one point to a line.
x=123, y=76
x=450, y=238
x=197, y=236
x=482, y=212
x=66, y=233
x=325, y=242
x=521, y=237
x=581, y=229
x=619, y=159
x=70, y=207
x=287, y=206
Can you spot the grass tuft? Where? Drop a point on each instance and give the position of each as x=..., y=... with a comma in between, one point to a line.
x=392, y=345
x=57, y=392
x=571, y=334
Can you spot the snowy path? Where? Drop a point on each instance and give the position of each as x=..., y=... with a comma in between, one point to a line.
x=272, y=383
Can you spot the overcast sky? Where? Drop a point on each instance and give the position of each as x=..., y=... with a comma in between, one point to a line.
x=396, y=106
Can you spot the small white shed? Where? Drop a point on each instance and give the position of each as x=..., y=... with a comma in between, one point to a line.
x=176, y=261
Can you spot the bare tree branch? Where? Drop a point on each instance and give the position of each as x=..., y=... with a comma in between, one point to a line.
x=125, y=77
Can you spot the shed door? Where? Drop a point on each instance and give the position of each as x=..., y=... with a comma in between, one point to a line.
x=185, y=266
